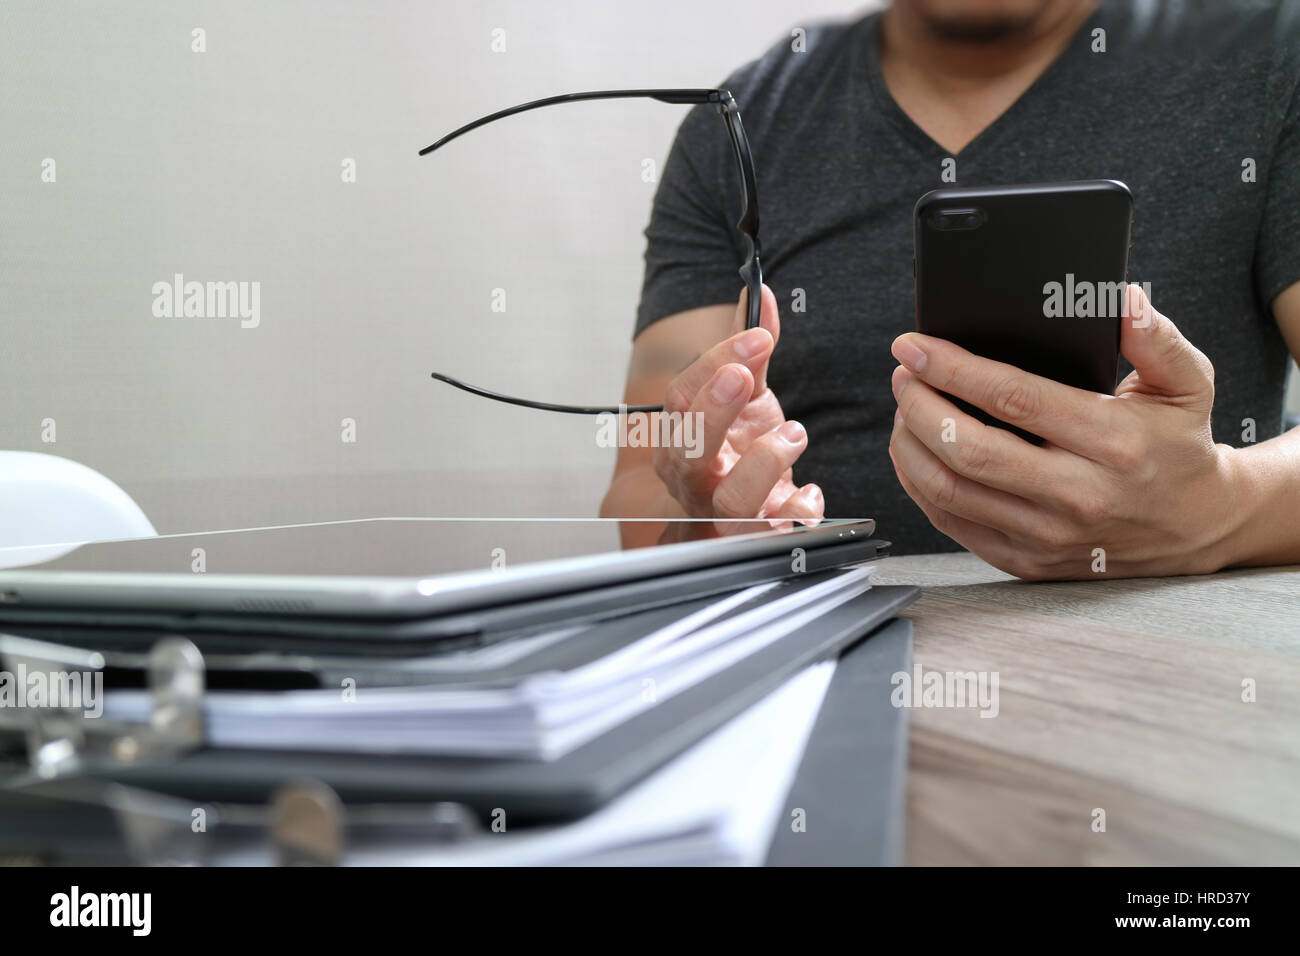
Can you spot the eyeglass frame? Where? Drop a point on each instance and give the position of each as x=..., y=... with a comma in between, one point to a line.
x=751, y=271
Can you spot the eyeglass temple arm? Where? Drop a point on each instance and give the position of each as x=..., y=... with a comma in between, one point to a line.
x=663, y=96
x=544, y=406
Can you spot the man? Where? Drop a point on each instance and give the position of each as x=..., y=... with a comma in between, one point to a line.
x=1194, y=106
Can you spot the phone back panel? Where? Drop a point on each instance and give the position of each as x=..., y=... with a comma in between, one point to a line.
x=988, y=287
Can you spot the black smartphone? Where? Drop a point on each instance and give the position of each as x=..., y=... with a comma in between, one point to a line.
x=1031, y=275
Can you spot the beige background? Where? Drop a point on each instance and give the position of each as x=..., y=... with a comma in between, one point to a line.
x=225, y=165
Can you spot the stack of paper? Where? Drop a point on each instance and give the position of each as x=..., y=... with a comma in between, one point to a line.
x=716, y=804
x=543, y=716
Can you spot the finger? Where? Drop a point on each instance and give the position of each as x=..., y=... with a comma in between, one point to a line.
x=716, y=406
x=1165, y=362
x=770, y=520
x=747, y=487
x=751, y=525
x=990, y=544
x=983, y=453
x=769, y=320
x=948, y=491
x=1065, y=416
x=806, y=505
x=751, y=349
x=757, y=418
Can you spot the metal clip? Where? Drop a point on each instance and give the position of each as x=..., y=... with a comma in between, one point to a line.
x=307, y=824
x=62, y=733
x=176, y=688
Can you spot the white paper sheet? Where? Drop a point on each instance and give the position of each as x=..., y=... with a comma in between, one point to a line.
x=718, y=803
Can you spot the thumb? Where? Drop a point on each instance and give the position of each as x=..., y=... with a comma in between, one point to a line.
x=1163, y=360
x=769, y=320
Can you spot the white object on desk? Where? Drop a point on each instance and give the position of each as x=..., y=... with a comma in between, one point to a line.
x=58, y=504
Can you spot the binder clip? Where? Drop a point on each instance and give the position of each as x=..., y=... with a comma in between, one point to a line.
x=64, y=727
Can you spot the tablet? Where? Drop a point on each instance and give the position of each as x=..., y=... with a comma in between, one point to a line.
x=382, y=569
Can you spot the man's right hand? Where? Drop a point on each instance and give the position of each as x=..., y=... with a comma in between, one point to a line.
x=747, y=450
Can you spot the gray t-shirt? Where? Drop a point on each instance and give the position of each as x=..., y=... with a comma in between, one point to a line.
x=1183, y=96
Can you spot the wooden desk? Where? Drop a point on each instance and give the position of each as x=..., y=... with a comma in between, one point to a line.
x=1120, y=695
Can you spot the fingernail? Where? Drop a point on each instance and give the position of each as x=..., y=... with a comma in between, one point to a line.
x=751, y=343
x=792, y=432
x=908, y=353
x=728, y=386
x=816, y=492
x=898, y=383
x=898, y=417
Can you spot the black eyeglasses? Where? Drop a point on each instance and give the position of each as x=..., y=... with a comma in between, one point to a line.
x=751, y=271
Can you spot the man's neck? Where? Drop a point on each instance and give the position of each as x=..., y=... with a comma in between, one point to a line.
x=952, y=65
x=953, y=89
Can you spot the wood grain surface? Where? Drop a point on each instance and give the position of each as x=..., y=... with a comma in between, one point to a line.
x=1124, y=696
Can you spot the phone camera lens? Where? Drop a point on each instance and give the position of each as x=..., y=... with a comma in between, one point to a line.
x=956, y=219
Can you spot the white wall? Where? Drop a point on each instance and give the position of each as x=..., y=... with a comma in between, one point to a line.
x=226, y=165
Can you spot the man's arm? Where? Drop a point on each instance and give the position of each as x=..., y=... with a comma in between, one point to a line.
x=1269, y=473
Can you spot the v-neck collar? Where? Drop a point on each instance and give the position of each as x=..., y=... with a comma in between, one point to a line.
x=922, y=140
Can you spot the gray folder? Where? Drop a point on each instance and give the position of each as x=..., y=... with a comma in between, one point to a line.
x=851, y=783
